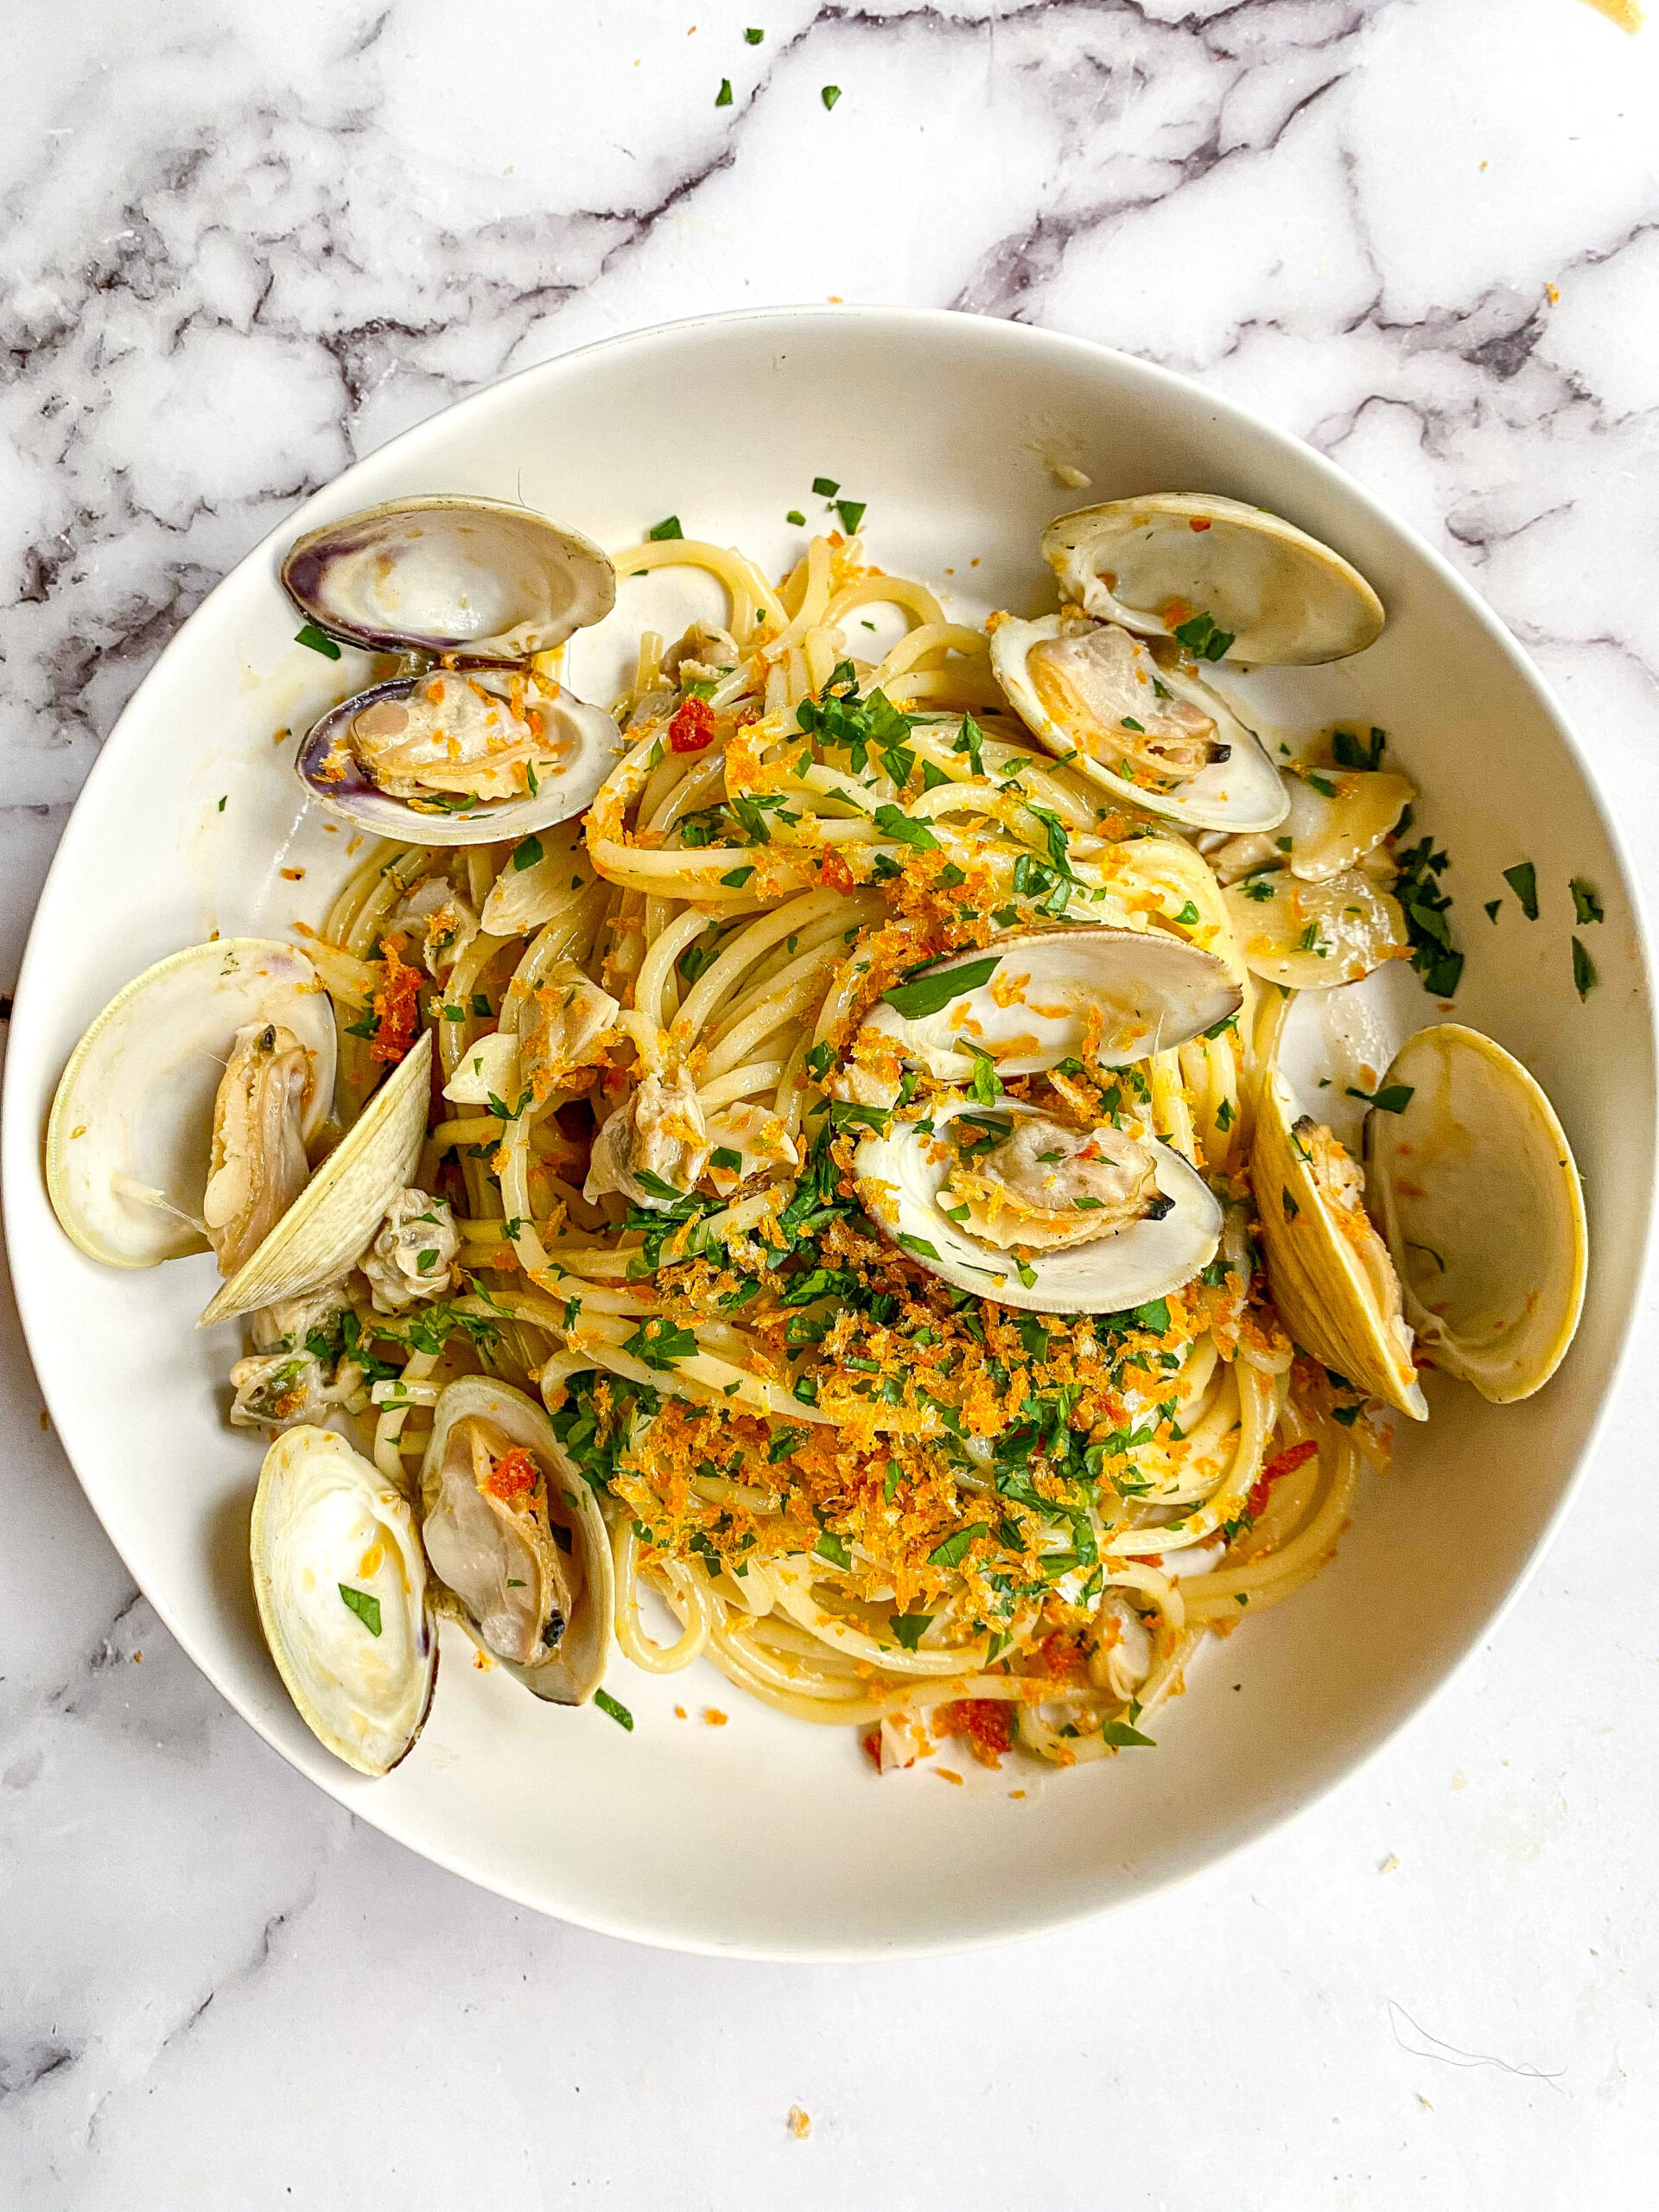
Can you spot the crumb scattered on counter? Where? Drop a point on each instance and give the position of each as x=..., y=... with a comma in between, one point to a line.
x=1390, y=1863
x=800, y=2123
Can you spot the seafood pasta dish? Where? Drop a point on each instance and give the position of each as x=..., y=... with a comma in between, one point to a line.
x=791, y=1165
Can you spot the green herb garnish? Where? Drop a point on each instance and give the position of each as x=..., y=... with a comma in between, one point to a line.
x=618, y=1712
x=1203, y=639
x=365, y=1605
x=526, y=855
x=320, y=642
x=669, y=527
x=1522, y=879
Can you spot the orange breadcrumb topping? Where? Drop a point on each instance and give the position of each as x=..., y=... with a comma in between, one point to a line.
x=513, y=1476
x=396, y=1005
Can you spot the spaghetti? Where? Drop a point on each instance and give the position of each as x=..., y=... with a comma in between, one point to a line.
x=869, y=1498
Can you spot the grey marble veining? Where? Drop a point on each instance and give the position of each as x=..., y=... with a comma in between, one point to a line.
x=243, y=247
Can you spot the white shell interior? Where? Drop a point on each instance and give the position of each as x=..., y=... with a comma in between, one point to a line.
x=924, y=413
x=1283, y=595
x=325, y=1520
x=1479, y=1145
x=1154, y=990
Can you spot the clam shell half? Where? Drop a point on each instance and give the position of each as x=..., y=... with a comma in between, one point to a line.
x=1154, y=563
x=342, y=1587
x=1481, y=1204
x=134, y=1108
x=1034, y=997
x=448, y=575
x=328, y=1227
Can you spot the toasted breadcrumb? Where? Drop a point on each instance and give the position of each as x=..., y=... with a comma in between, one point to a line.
x=800, y=2123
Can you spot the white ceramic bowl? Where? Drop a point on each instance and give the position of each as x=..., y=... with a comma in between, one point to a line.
x=767, y=1837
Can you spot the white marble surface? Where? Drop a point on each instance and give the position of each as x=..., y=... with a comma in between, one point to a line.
x=242, y=246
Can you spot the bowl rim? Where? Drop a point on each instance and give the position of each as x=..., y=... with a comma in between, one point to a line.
x=20, y=1150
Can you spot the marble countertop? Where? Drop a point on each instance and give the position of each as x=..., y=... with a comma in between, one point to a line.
x=243, y=247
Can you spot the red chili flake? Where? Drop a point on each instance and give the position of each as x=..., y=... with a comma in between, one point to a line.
x=870, y=1744
x=834, y=872
x=1198, y=523
x=396, y=1004
x=692, y=727
x=1287, y=1463
x=983, y=1720
x=513, y=1476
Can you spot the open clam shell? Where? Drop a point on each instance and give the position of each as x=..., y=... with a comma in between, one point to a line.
x=450, y=574
x=342, y=1587
x=329, y=1225
x=1162, y=562
x=1239, y=790
x=498, y=1561
x=1331, y=1278
x=1031, y=998
x=901, y=1174
x=134, y=1110
x=1480, y=1201
x=327, y=766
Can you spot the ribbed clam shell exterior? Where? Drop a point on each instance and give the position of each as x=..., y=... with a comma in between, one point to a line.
x=330, y=1224
x=1318, y=1284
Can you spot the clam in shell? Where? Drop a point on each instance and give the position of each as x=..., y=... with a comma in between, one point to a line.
x=1148, y=730
x=1107, y=1223
x=515, y=1534
x=130, y=1141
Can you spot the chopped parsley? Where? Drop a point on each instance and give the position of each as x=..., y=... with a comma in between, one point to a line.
x=1433, y=956
x=852, y=513
x=909, y=1629
x=1203, y=639
x=1586, y=906
x=795, y=517
x=955, y=1550
x=928, y=994
x=826, y=487
x=1522, y=879
x=618, y=1712
x=830, y=95
x=669, y=527
x=893, y=823
x=660, y=1345
x=752, y=37
x=1351, y=753
x=526, y=855
x=1121, y=1734
x=1393, y=1098
x=320, y=642
x=365, y=1605
x=722, y=99
x=1584, y=971
x=834, y=1548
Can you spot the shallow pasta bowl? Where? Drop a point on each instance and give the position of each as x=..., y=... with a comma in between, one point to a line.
x=765, y=1836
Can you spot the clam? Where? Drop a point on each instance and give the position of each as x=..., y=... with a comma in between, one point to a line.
x=1479, y=1198
x=1038, y=1214
x=329, y=1226
x=515, y=1534
x=1031, y=998
x=1331, y=1274
x=1146, y=728
x=653, y=1148
x=342, y=1587
x=488, y=746
x=1309, y=936
x=184, y=1113
x=1227, y=579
